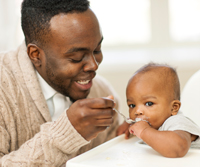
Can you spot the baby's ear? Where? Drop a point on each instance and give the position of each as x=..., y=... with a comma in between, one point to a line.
x=176, y=104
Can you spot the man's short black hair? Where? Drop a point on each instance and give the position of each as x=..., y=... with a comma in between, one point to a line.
x=36, y=15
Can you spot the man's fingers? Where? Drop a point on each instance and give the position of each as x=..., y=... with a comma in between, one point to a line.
x=104, y=122
x=110, y=97
x=103, y=113
x=91, y=116
x=97, y=103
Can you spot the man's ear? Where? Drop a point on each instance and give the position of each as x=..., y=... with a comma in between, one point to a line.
x=34, y=53
x=176, y=104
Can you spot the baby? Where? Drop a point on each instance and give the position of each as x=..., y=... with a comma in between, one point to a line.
x=153, y=95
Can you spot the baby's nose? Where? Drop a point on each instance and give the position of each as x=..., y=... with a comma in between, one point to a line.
x=139, y=111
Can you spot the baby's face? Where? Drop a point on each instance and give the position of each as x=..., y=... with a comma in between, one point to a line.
x=147, y=99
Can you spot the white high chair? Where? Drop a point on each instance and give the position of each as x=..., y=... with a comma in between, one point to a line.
x=190, y=98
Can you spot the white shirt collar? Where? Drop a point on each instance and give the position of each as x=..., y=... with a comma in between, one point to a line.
x=56, y=102
x=47, y=90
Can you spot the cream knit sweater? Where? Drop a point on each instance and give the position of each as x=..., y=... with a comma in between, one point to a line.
x=27, y=135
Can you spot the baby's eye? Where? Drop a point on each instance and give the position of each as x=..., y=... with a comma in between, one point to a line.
x=131, y=105
x=149, y=103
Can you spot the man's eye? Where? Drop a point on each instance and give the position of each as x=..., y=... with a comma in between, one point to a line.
x=97, y=51
x=149, y=103
x=131, y=105
x=76, y=61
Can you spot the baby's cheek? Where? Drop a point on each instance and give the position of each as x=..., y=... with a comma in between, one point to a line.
x=132, y=115
x=156, y=124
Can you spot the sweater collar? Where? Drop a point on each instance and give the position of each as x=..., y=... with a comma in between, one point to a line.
x=32, y=83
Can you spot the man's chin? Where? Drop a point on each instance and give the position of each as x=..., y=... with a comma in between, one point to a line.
x=78, y=96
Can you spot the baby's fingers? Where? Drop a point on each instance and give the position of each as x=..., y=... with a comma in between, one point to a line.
x=131, y=130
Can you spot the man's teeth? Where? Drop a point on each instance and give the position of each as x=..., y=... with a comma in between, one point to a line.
x=83, y=82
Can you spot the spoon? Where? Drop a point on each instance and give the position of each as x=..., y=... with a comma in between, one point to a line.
x=128, y=120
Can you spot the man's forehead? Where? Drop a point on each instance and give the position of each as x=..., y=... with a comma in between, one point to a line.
x=75, y=23
x=79, y=30
x=73, y=18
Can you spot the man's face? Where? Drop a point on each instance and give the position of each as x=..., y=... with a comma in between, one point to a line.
x=73, y=53
x=148, y=99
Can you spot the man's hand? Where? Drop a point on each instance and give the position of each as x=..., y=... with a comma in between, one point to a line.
x=91, y=116
x=138, y=127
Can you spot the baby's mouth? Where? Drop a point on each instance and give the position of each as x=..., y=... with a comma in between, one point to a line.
x=142, y=119
x=138, y=119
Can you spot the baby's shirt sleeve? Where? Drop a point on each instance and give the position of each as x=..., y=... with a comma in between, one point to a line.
x=180, y=122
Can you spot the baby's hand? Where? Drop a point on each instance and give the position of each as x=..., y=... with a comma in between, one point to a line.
x=138, y=127
x=123, y=129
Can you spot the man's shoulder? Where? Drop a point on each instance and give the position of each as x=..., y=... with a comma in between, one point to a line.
x=9, y=59
x=101, y=81
x=101, y=87
x=12, y=64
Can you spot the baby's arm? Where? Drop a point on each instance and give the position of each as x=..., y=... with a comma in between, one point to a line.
x=168, y=143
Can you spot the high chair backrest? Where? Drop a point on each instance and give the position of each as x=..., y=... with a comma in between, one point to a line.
x=190, y=98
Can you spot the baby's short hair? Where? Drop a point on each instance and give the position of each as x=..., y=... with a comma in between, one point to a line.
x=169, y=73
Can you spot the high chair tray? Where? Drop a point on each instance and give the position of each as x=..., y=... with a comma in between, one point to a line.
x=119, y=152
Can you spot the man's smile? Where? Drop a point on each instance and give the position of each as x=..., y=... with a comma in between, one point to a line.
x=83, y=82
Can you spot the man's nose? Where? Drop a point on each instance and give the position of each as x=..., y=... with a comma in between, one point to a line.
x=91, y=64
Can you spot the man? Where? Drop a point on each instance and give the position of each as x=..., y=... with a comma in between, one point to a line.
x=51, y=77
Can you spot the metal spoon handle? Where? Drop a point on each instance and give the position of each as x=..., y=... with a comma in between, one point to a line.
x=128, y=120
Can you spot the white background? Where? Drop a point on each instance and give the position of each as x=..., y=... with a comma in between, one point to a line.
x=135, y=32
